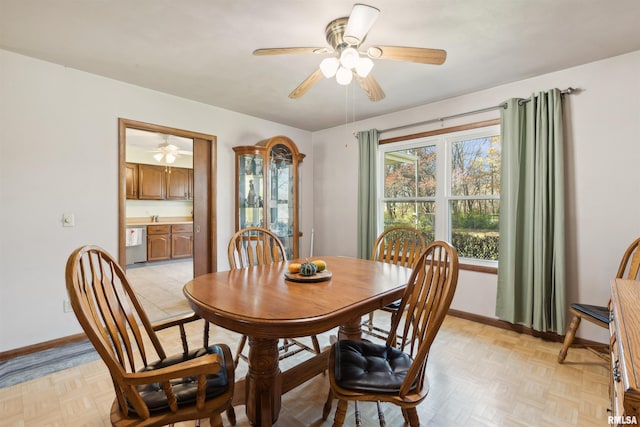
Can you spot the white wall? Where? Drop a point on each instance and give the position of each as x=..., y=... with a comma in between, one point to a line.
x=602, y=163
x=59, y=153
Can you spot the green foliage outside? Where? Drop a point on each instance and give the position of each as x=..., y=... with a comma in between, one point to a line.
x=476, y=245
x=475, y=174
x=470, y=242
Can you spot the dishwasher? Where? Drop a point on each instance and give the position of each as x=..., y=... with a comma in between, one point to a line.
x=136, y=245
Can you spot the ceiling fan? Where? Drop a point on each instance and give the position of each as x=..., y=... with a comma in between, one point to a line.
x=167, y=152
x=346, y=36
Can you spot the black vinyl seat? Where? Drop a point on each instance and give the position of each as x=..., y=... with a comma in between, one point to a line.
x=629, y=268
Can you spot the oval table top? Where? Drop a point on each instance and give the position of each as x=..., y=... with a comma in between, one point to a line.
x=260, y=302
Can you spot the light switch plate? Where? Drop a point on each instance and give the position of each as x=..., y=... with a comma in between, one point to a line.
x=68, y=220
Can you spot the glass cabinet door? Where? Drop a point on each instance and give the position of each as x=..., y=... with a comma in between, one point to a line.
x=267, y=184
x=281, y=206
x=250, y=190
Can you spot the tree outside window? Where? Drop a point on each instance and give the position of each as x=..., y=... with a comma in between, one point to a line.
x=474, y=201
x=448, y=187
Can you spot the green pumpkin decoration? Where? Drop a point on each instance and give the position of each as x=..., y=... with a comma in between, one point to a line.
x=308, y=269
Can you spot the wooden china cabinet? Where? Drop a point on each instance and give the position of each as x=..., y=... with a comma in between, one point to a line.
x=267, y=187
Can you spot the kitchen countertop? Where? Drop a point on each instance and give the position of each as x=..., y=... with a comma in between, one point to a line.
x=144, y=221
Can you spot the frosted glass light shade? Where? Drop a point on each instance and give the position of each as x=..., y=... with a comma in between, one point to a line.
x=158, y=156
x=364, y=66
x=360, y=21
x=344, y=76
x=170, y=158
x=329, y=66
x=349, y=58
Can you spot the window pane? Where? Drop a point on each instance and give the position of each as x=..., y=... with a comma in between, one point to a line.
x=475, y=167
x=421, y=215
x=410, y=173
x=474, y=228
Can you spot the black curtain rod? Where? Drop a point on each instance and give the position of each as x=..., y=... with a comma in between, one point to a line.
x=567, y=91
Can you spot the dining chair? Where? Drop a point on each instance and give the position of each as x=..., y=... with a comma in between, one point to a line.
x=152, y=388
x=395, y=372
x=599, y=315
x=399, y=245
x=254, y=246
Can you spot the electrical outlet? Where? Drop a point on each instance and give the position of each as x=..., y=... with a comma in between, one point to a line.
x=66, y=306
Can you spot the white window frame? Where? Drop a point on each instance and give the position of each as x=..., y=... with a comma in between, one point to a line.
x=443, y=143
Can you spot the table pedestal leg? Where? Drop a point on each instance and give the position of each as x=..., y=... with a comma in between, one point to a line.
x=350, y=330
x=264, y=382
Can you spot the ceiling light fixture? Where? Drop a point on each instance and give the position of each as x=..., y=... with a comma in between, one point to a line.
x=329, y=66
x=167, y=153
x=362, y=18
x=346, y=36
x=349, y=58
x=344, y=76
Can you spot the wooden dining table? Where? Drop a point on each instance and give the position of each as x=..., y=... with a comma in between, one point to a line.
x=263, y=304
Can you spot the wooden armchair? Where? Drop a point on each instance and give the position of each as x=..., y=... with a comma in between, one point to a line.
x=254, y=246
x=599, y=315
x=151, y=388
x=396, y=372
x=400, y=245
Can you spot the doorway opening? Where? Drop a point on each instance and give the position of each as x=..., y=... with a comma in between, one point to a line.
x=167, y=232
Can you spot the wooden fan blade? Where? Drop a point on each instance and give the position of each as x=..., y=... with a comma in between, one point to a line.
x=289, y=50
x=371, y=87
x=410, y=54
x=306, y=84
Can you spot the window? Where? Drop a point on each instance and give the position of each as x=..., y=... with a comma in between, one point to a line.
x=448, y=187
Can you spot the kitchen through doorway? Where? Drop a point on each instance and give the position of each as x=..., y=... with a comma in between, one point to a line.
x=166, y=211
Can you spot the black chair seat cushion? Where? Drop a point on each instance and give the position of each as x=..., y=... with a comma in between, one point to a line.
x=595, y=311
x=368, y=367
x=393, y=306
x=185, y=388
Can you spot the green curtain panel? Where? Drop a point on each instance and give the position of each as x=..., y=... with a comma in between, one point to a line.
x=368, y=150
x=531, y=277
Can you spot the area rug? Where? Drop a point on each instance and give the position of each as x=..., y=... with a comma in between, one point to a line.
x=25, y=368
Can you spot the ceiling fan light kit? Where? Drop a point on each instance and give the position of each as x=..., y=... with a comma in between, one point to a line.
x=360, y=22
x=329, y=66
x=364, y=66
x=166, y=152
x=349, y=58
x=346, y=36
x=344, y=76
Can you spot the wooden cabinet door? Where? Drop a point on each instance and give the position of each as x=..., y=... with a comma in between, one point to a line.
x=158, y=247
x=181, y=245
x=158, y=242
x=178, y=181
x=131, y=172
x=151, y=182
x=181, y=240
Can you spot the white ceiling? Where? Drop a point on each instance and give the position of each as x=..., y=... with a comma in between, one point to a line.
x=201, y=49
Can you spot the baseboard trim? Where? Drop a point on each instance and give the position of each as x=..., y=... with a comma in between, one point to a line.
x=502, y=324
x=23, y=351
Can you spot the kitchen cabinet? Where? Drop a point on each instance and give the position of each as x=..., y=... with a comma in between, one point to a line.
x=267, y=181
x=158, y=242
x=179, y=184
x=181, y=241
x=169, y=241
x=151, y=182
x=131, y=172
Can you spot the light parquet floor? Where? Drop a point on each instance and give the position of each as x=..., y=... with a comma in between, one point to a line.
x=479, y=376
